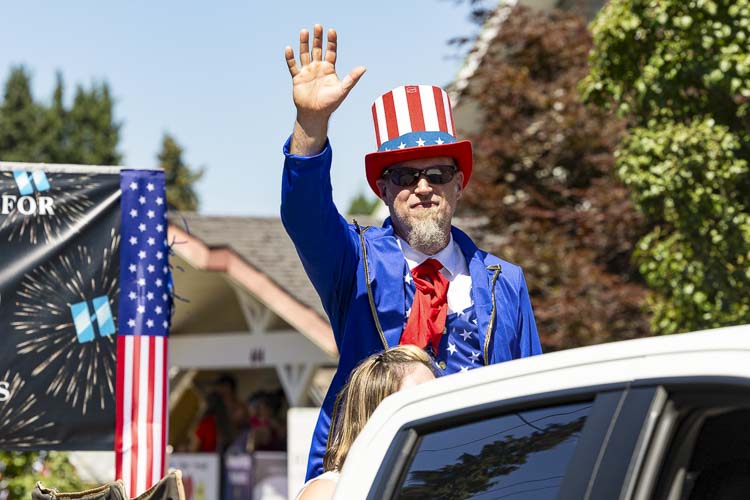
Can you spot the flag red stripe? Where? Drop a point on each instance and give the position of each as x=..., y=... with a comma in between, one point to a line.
x=164, y=410
x=437, y=94
x=134, y=415
x=390, y=115
x=415, y=108
x=119, y=404
x=150, y=414
x=375, y=121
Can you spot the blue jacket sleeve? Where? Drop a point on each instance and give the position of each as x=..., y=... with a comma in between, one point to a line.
x=325, y=243
x=527, y=339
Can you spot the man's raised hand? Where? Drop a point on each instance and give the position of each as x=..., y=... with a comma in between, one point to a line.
x=316, y=89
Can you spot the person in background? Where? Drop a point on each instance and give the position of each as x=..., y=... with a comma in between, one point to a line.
x=261, y=433
x=215, y=431
x=371, y=382
x=278, y=423
x=226, y=385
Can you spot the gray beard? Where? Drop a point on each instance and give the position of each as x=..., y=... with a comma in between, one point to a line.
x=428, y=235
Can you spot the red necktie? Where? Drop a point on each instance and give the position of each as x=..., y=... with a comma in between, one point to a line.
x=427, y=318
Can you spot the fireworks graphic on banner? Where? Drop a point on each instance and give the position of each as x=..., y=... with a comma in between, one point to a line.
x=67, y=195
x=20, y=418
x=82, y=368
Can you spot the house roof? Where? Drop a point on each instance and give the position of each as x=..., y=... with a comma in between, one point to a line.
x=263, y=243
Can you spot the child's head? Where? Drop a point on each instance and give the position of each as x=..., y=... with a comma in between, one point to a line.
x=371, y=382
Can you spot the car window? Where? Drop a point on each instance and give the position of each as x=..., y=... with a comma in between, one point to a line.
x=521, y=455
x=708, y=454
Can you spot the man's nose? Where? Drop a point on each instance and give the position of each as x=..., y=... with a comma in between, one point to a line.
x=423, y=186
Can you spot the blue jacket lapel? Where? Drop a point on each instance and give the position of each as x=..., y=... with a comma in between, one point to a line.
x=386, y=262
x=480, y=281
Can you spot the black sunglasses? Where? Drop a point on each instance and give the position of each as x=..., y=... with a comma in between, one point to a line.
x=407, y=176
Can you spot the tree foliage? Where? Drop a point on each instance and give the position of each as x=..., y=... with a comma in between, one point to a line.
x=543, y=178
x=86, y=133
x=180, y=178
x=19, y=472
x=90, y=133
x=363, y=204
x=30, y=131
x=679, y=71
x=20, y=119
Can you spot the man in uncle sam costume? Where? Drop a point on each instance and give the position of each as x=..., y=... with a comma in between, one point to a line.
x=417, y=279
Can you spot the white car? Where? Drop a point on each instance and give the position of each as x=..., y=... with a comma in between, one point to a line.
x=663, y=417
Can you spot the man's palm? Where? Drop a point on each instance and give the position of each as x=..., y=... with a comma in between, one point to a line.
x=317, y=90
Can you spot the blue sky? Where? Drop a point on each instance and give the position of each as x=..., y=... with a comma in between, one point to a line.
x=213, y=74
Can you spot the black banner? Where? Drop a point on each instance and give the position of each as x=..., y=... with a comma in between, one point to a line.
x=59, y=290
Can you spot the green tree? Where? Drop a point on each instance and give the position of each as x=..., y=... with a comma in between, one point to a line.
x=19, y=472
x=180, y=178
x=363, y=205
x=20, y=119
x=92, y=133
x=34, y=132
x=679, y=71
x=543, y=181
x=53, y=131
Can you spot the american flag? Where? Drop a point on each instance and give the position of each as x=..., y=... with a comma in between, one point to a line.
x=144, y=312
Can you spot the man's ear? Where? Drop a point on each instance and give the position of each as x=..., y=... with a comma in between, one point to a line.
x=459, y=179
x=382, y=183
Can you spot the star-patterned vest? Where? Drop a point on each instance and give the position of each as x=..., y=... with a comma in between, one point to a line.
x=460, y=348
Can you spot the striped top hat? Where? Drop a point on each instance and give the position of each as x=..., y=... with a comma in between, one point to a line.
x=413, y=122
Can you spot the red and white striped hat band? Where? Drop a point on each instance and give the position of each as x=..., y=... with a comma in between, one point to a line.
x=413, y=116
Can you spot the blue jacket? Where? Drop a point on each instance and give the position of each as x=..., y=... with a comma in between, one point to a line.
x=336, y=254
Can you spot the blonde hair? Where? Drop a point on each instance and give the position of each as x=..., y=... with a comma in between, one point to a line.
x=376, y=377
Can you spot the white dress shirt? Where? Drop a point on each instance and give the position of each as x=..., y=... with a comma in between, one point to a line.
x=454, y=269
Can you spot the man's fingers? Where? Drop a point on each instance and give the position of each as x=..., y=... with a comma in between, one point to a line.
x=317, y=48
x=291, y=62
x=331, y=47
x=352, y=78
x=304, y=47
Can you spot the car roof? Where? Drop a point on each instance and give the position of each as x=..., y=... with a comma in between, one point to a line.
x=723, y=352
